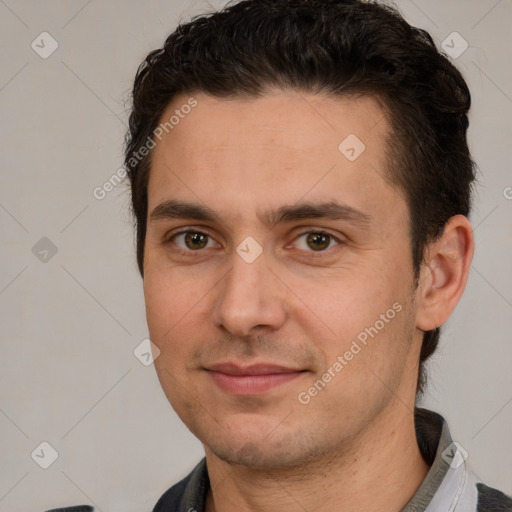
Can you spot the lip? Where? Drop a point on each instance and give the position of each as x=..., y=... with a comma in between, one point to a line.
x=253, y=379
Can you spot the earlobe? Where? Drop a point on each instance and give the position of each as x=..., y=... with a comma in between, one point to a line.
x=444, y=273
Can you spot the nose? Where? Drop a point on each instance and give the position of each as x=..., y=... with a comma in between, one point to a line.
x=249, y=298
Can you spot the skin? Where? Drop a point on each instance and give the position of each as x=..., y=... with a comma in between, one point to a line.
x=352, y=446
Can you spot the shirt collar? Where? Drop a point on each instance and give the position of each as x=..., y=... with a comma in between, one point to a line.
x=434, y=438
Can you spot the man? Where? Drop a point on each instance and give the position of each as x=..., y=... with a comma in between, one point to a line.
x=301, y=183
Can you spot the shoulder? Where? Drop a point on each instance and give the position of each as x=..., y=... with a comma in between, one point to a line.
x=171, y=499
x=492, y=500
x=187, y=494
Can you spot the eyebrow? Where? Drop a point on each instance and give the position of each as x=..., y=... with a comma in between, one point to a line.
x=332, y=210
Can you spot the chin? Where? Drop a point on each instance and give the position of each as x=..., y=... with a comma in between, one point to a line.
x=266, y=448
x=250, y=454
x=256, y=455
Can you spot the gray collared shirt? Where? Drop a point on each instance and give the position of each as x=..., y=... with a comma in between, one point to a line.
x=450, y=485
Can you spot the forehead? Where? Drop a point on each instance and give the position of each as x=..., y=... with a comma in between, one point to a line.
x=301, y=121
x=279, y=148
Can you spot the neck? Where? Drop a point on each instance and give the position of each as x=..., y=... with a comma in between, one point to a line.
x=380, y=471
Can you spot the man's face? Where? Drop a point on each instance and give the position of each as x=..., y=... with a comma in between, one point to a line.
x=244, y=336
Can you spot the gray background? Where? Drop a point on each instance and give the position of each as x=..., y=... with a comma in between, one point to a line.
x=71, y=321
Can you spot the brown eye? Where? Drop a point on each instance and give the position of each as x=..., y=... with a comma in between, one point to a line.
x=318, y=241
x=195, y=241
x=315, y=241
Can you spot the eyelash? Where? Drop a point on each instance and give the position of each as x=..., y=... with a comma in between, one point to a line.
x=170, y=239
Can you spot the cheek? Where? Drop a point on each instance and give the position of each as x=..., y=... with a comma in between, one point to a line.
x=172, y=296
x=178, y=314
x=345, y=302
x=160, y=304
x=363, y=315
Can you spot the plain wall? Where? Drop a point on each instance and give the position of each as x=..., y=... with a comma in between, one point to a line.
x=69, y=325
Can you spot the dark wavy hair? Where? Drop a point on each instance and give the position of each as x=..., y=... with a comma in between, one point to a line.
x=331, y=47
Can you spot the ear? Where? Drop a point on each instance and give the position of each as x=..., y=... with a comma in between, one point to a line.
x=444, y=273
